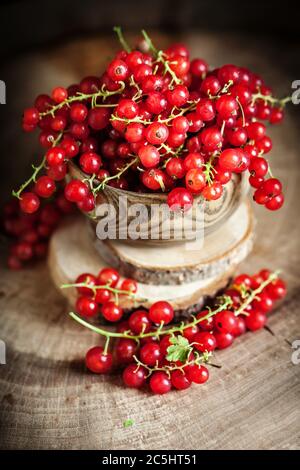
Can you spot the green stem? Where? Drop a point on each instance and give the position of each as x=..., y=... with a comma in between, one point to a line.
x=113, y=177
x=149, y=42
x=37, y=170
x=281, y=102
x=82, y=97
x=124, y=44
x=255, y=292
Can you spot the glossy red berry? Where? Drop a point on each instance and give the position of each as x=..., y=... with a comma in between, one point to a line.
x=275, y=202
x=150, y=354
x=55, y=156
x=149, y=156
x=134, y=376
x=111, y=311
x=205, y=341
x=213, y=191
x=45, y=186
x=29, y=203
x=108, y=276
x=125, y=349
x=118, y=70
x=223, y=339
x=129, y=285
x=277, y=289
x=86, y=278
x=139, y=321
x=179, y=380
x=160, y=383
x=86, y=306
x=240, y=327
x=59, y=94
x=225, y=321
x=90, y=163
x=197, y=373
x=195, y=180
x=156, y=133
x=76, y=191
x=180, y=199
x=161, y=312
x=78, y=112
x=256, y=320
x=230, y=159
x=98, y=362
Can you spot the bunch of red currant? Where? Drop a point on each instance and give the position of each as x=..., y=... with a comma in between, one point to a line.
x=148, y=347
x=30, y=232
x=156, y=121
x=100, y=294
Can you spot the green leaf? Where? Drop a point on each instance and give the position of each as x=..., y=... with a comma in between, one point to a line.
x=128, y=422
x=179, y=349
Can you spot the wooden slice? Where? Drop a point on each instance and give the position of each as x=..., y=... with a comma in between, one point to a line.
x=72, y=253
x=183, y=263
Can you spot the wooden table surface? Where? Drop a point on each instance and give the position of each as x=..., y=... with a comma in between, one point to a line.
x=48, y=400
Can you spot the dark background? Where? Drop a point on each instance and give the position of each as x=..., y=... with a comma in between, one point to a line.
x=33, y=28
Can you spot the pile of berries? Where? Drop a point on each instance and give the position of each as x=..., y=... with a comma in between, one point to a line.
x=156, y=120
x=149, y=349
x=29, y=233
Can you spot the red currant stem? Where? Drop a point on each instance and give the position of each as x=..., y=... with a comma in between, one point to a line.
x=242, y=111
x=226, y=87
x=149, y=42
x=191, y=107
x=168, y=369
x=103, y=183
x=114, y=290
x=169, y=331
x=160, y=58
x=106, y=346
x=223, y=127
x=36, y=171
x=270, y=99
x=210, y=169
x=82, y=97
x=124, y=44
x=139, y=92
x=254, y=293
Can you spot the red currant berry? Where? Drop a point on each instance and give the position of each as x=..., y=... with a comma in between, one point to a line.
x=225, y=321
x=205, y=324
x=117, y=70
x=98, y=362
x=90, y=162
x=156, y=133
x=205, y=341
x=240, y=327
x=149, y=156
x=108, y=276
x=78, y=112
x=31, y=117
x=210, y=86
x=276, y=116
x=230, y=159
x=213, y=191
x=139, y=321
x=196, y=373
x=227, y=106
x=199, y=68
x=256, y=320
x=161, y=312
x=59, y=94
x=211, y=138
x=190, y=332
x=277, y=289
x=86, y=306
x=195, y=180
x=156, y=103
x=206, y=109
x=134, y=132
x=111, y=311
x=179, y=380
x=175, y=168
x=224, y=340
x=256, y=131
x=180, y=124
x=134, y=376
x=29, y=203
x=55, y=156
x=86, y=278
x=150, y=354
x=44, y=186
x=178, y=96
x=160, y=383
x=125, y=350
x=180, y=199
x=76, y=191
x=98, y=118
x=275, y=203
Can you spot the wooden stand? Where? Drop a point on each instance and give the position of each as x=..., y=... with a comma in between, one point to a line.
x=184, y=274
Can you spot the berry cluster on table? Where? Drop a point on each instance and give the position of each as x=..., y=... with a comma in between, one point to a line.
x=148, y=347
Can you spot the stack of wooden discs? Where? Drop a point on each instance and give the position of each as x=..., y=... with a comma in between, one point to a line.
x=184, y=272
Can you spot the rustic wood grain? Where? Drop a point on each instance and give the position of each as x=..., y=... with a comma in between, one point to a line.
x=47, y=398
